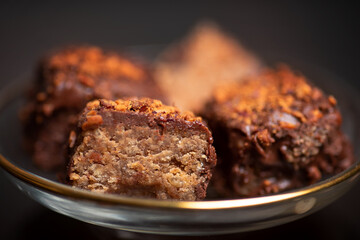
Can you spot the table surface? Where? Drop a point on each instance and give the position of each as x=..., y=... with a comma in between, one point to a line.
x=322, y=34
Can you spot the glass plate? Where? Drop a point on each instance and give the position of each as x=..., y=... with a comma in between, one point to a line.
x=175, y=217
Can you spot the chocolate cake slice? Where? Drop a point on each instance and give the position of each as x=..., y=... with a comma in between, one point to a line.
x=191, y=69
x=275, y=132
x=141, y=148
x=66, y=81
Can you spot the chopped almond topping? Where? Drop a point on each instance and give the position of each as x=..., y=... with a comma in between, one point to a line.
x=92, y=61
x=91, y=113
x=315, y=115
x=92, y=122
x=72, y=139
x=93, y=104
x=287, y=125
x=332, y=100
x=145, y=106
x=273, y=89
x=299, y=115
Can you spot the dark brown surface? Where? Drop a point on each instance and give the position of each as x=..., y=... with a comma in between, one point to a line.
x=322, y=34
x=275, y=132
x=66, y=80
x=140, y=147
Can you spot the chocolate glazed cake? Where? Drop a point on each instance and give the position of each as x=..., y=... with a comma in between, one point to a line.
x=275, y=132
x=66, y=81
x=142, y=148
x=191, y=69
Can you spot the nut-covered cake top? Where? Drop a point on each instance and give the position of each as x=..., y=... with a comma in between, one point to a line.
x=278, y=104
x=144, y=106
x=91, y=62
x=288, y=97
x=72, y=76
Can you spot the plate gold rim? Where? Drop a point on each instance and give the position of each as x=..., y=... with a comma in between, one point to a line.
x=68, y=191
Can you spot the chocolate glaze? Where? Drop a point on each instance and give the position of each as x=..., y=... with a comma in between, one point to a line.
x=148, y=113
x=275, y=132
x=66, y=80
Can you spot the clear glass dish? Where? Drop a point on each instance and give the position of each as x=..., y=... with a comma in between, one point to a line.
x=176, y=217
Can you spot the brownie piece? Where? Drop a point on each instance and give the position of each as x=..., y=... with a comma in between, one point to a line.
x=66, y=81
x=190, y=70
x=275, y=132
x=141, y=148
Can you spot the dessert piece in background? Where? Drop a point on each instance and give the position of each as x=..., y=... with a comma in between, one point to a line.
x=142, y=148
x=66, y=80
x=191, y=69
x=275, y=132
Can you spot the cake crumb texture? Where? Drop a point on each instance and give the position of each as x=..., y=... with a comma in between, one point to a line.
x=142, y=148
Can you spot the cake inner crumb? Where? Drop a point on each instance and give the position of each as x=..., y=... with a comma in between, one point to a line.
x=140, y=161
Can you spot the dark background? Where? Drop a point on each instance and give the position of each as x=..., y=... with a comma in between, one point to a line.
x=321, y=33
